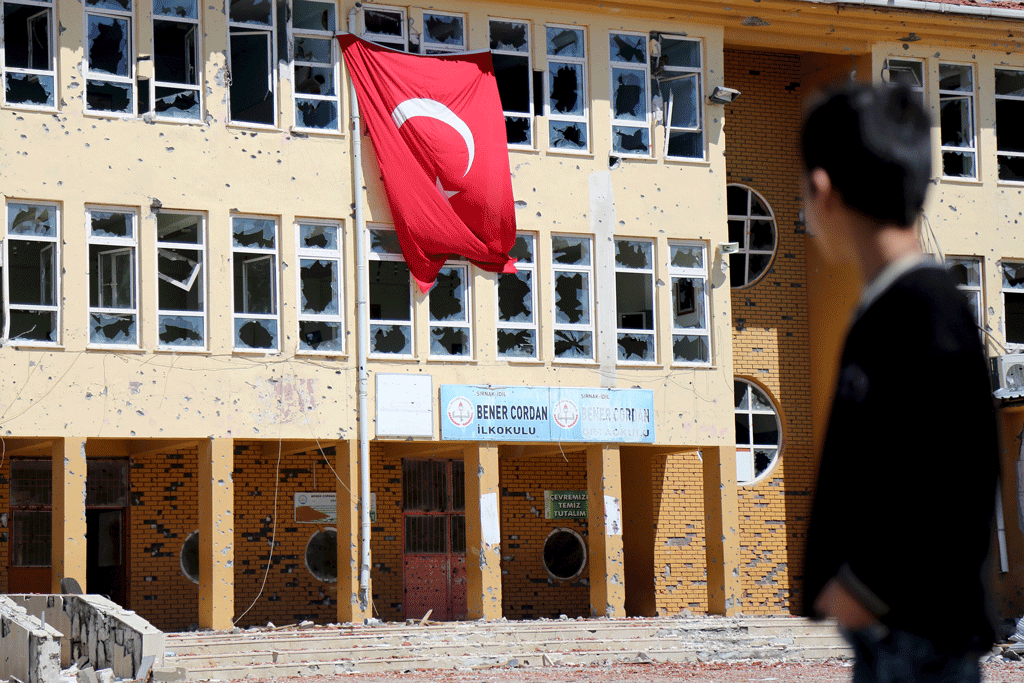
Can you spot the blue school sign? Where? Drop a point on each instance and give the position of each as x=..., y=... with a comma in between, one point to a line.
x=486, y=413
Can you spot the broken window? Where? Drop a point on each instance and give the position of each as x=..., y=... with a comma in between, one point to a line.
x=567, y=103
x=517, y=300
x=385, y=26
x=1013, y=306
x=31, y=507
x=390, y=295
x=181, y=286
x=33, y=274
x=679, y=76
x=315, y=65
x=109, y=56
x=449, y=313
x=691, y=338
x=634, y=300
x=29, y=66
x=752, y=227
x=1009, y=133
x=176, y=61
x=254, y=253
x=758, y=432
x=956, y=120
x=443, y=33
x=908, y=72
x=321, y=326
x=252, y=26
x=510, y=52
x=966, y=272
x=630, y=72
x=573, y=271
x=113, y=285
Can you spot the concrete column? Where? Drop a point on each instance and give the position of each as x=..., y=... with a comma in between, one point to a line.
x=346, y=464
x=483, y=532
x=67, y=519
x=216, y=534
x=721, y=530
x=604, y=523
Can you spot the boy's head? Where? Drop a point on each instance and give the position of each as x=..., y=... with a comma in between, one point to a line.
x=874, y=142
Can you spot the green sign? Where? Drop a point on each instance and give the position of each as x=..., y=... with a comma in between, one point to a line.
x=565, y=505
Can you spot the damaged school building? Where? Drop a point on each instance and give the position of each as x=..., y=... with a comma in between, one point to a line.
x=625, y=426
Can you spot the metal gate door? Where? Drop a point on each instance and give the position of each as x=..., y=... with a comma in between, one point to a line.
x=434, y=539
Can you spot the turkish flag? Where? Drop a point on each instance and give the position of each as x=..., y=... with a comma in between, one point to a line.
x=439, y=133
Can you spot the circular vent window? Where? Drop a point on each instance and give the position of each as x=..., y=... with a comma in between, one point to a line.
x=565, y=554
x=190, y=557
x=322, y=555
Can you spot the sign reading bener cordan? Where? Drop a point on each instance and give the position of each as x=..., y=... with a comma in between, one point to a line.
x=487, y=413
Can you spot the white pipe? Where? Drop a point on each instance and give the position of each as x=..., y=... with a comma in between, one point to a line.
x=937, y=7
x=362, y=338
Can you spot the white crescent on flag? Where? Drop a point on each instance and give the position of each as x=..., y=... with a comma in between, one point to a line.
x=421, y=106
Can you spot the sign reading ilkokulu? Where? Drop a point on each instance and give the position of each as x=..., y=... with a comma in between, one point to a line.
x=565, y=505
x=482, y=413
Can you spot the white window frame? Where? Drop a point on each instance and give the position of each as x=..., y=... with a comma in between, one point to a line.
x=528, y=51
x=699, y=273
x=269, y=32
x=259, y=254
x=334, y=255
x=744, y=249
x=465, y=325
x=672, y=73
x=949, y=95
x=394, y=42
x=903, y=65
x=197, y=66
x=199, y=276
x=54, y=242
x=643, y=71
x=432, y=48
x=32, y=71
x=510, y=326
x=651, y=326
x=127, y=81
x=409, y=324
x=583, y=91
x=1011, y=347
x=1004, y=153
x=122, y=244
x=297, y=64
x=747, y=450
x=972, y=291
x=588, y=272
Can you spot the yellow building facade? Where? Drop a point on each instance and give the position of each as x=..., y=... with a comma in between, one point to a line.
x=180, y=411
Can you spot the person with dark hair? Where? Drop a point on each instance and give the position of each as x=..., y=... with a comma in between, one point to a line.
x=901, y=522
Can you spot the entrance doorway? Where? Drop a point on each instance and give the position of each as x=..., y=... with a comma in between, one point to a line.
x=434, y=539
x=106, y=512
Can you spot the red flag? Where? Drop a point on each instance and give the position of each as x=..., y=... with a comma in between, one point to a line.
x=439, y=133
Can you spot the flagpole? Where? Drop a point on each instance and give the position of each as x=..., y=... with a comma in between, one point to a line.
x=362, y=340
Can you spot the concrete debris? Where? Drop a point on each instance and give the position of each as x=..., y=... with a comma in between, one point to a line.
x=105, y=676
x=1018, y=635
x=306, y=624
x=87, y=675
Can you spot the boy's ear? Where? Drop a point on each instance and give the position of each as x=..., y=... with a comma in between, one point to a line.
x=820, y=183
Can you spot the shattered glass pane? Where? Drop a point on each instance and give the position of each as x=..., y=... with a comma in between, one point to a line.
x=634, y=254
x=686, y=255
x=449, y=341
x=112, y=224
x=314, y=16
x=254, y=233
x=317, y=335
x=391, y=339
x=517, y=343
x=319, y=283
x=766, y=429
x=565, y=42
x=762, y=235
x=251, y=12
x=1013, y=305
x=27, y=36
x=958, y=164
x=957, y=77
x=684, y=102
x=742, y=429
x=180, y=228
x=688, y=300
x=636, y=347
x=572, y=298
x=318, y=236
x=1010, y=82
x=112, y=329
x=737, y=233
x=512, y=73
x=690, y=349
x=736, y=198
x=631, y=140
x=965, y=272
x=384, y=242
x=1009, y=133
x=319, y=114
x=390, y=295
x=515, y=297
x=512, y=36
x=1011, y=168
x=627, y=48
x=31, y=278
x=177, y=103
x=29, y=89
x=254, y=284
x=314, y=80
x=629, y=94
x=179, y=330
x=318, y=50
x=679, y=52
x=174, y=52
x=567, y=135
x=27, y=219
x=448, y=295
x=685, y=145
x=741, y=395
x=634, y=301
x=757, y=207
x=1013, y=275
x=573, y=344
x=37, y=326
x=909, y=73
x=442, y=29
x=187, y=9
x=522, y=250
x=570, y=250
x=118, y=5
x=565, y=82
x=108, y=45
x=103, y=96
x=383, y=22
x=758, y=264
x=759, y=401
x=255, y=334
x=180, y=281
x=955, y=118
x=763, y=459
x=517, y=130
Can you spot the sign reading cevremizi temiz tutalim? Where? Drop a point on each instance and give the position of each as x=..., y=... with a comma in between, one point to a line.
x=486, y=413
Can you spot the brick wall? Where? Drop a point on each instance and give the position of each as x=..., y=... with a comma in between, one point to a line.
x=5, y=528
x=680, y=563
x=771, y=334
x=386, y=535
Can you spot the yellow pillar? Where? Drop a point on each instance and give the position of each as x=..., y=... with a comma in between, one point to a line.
x=604, y=522
x=346, y=464
x=483, y=532
x=68, y=516
x=216, y=534
x=721, y=530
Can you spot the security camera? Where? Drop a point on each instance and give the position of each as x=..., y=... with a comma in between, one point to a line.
x=729, y=247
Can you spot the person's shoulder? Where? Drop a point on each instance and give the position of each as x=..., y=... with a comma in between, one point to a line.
x=927, y=298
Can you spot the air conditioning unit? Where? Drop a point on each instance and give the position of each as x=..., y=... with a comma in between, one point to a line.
x=1008, y=372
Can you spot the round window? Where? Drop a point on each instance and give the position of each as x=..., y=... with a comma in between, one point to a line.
x=565, y=554
x=322, y=555
x=752, y=226
x=190, y=557
x=758, y=432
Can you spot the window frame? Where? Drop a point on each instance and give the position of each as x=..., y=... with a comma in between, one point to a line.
x=269, y=31
x=702, y=273
x=296, y=64
x=531, y=115
x=336, y=255
x=588, y=272
x=258, y=254
x=56, y=264
x=120, y=244
x=202, y=277
x=465, y=325
x=650, y=331
x=130, y=54
x=751, y=446
x=920, y=89
x=431, y=48
x=1011, y=346
x=1006, y=153
x=683, y=72
x=30, y=71
x=645, y=69
x=583, y=91
x=971, y=97
x=197, y=48
x=410, y=324
x=508, y=325
x=381, y=38
x=744, y=248
x=969, y=289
